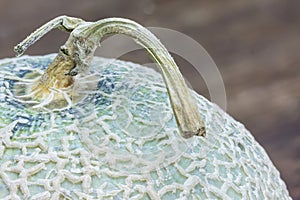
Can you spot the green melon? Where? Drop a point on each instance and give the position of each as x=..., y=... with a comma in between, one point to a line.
x=121, y=141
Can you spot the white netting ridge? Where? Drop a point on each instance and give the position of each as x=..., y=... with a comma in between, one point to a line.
x=123, y=143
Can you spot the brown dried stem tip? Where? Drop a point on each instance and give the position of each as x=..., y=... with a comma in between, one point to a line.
x=75, y=57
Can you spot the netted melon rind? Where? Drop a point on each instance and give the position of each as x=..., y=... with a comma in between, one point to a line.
x=122, y=142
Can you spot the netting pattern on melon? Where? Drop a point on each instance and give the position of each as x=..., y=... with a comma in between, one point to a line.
x=122, y=142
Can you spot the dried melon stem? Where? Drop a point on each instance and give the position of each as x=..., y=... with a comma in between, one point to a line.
x=75, y=57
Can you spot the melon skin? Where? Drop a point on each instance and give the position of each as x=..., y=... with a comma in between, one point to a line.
x=122, y=142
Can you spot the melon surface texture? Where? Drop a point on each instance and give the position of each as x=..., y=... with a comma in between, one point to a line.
x=121, y=141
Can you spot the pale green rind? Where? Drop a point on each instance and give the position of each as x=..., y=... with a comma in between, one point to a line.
x=122, y=142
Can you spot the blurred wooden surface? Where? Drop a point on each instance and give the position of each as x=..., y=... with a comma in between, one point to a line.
x=255, y=44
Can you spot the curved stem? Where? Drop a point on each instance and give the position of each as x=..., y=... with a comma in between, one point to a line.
x=57, y=74
x=82, y=43
x=64, y=23
x=184, y=106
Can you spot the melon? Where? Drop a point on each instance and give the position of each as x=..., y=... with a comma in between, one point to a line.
x=118, y=137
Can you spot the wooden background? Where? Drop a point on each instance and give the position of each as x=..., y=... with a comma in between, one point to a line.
x=255, y=44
